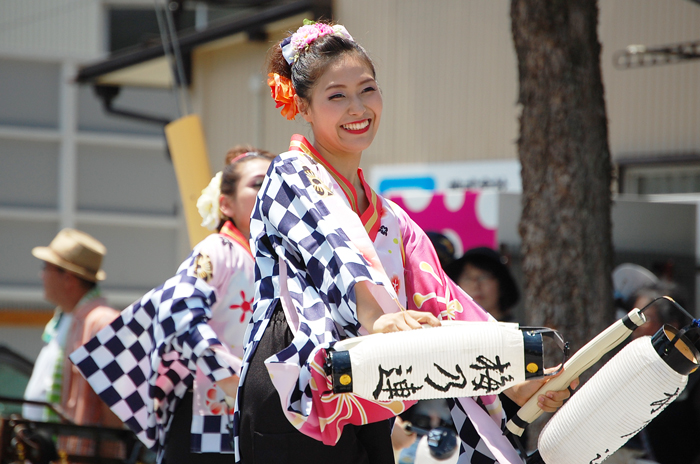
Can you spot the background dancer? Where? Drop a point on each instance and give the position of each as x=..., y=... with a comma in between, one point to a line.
x=335, y=260
x=195, y=321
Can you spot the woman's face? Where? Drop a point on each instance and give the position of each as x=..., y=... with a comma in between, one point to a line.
x=239, y=205
x=345, y=107
x=483, y=286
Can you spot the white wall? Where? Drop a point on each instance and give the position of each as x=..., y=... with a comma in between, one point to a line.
x=51, y=28
x=64, y=163
x=448, y=73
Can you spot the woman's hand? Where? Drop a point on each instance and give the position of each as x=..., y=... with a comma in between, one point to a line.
x=403, y=320
x=400, y=437
x=550, y=401
x=371, y=316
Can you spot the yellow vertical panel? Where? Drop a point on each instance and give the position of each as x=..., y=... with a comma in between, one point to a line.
x=188, y=151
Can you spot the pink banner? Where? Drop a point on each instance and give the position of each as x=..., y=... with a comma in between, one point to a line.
x=467, y=217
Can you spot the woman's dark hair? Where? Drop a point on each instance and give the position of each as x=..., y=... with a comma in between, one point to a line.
x=313, y=61
x=488, y=260
x=231, y=173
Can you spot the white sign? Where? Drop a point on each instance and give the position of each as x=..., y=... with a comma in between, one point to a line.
x=502, y=175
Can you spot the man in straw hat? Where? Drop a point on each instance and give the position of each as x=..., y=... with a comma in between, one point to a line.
x=71, y=271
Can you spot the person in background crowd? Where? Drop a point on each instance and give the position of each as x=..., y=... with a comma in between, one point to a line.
x=660, y=312
x=483, y=274
x=238, y=150
x=444, y=247
x=72, y=268
x=196, y=341
x=670, y=437
x=627, y=278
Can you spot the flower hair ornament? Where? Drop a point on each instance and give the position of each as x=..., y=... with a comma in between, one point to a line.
x=208, y=203
x=283, y=93
x=281, y=88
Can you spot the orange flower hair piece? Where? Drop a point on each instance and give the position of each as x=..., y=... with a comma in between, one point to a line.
x=283, y=93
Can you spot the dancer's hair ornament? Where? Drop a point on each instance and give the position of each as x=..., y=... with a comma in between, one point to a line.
x=281, y=88
x=283, y=93
x=208, y=203
x=293, y=45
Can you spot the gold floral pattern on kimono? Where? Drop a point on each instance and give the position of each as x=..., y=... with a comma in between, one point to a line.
x=317, y=184
x=203, y=268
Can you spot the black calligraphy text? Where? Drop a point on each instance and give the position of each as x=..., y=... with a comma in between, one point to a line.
x=396, y=387
x=443, y=388
x=598, y=456
x=660, y=404
x=486, y=381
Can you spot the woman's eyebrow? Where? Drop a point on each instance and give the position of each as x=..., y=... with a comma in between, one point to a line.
x=339, y=85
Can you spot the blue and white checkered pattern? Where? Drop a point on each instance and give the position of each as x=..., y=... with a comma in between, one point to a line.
x=142, y=364
x=291, y=222
x=472, y=450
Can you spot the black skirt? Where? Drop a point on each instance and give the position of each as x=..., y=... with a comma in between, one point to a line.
x=177, y=445
x=265, y=434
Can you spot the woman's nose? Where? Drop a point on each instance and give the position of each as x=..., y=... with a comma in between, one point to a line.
x=356, y=106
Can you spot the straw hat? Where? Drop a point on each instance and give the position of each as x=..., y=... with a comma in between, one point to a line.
x=76, y=252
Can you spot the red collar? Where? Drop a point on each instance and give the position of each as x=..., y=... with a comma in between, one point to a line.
x=230, y=231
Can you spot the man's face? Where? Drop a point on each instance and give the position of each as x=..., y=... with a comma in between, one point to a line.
x=653, y=323
x=54, y=279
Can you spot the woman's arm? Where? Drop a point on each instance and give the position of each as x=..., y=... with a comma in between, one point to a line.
x=428, y=289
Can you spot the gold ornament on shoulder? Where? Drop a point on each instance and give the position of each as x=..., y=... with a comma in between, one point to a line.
x=203, y=267
x=317, y=184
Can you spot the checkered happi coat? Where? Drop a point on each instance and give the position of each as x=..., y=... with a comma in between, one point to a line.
x=144, y=362
x=311, y=247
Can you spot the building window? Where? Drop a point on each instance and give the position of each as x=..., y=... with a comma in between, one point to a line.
x=660, y=176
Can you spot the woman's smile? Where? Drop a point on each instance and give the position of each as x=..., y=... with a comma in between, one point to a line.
x=344, y=109
x=359, y=127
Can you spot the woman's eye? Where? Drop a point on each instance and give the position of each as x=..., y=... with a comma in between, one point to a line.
x=335, y=96
x=369, y=89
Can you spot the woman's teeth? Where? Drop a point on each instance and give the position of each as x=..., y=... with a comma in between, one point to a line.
x=356, y=125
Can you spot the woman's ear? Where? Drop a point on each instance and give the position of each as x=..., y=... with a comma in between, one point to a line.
x=225, y=205
x=303, y=107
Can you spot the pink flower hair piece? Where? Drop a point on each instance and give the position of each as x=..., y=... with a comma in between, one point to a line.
x=305, y=35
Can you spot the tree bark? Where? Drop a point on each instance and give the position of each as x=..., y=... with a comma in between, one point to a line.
x=566, y=168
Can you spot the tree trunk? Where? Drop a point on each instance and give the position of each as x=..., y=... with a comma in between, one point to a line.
x=566, y=168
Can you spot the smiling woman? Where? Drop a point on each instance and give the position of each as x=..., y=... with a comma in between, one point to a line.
x=335, y=260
